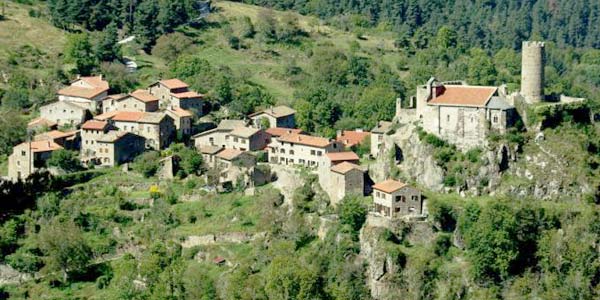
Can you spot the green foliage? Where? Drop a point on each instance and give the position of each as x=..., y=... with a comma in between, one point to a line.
x=13, y=130
x=352, y=212
x=79, y=51
x=170, y=46
x=64, y=247
x=147, y=164
x=107, y=48
x=65, y=160
x=287, y=279
x=119, y=78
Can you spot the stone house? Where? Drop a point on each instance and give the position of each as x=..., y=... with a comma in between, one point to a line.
x=352, y=138
x=335, y=158
x=341, y=180
x=236, y=166
x=229, y=157
x=300, y=149
x=377, y=135
x=65, y=113
x=279, y=116
x=157, y=128
x=69, y=140
x=182, y=118
x=138, y=100
x=209, y=155
x=233, y=134
x=276, y=132
x=394, y=199
x=176, y=93
x=91, y=131
x=41, y=124
x=463, y=114
x=117, y=147
x=85, y=91
x=29, y=157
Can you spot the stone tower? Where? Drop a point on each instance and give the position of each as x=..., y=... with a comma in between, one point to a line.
x=532, y=71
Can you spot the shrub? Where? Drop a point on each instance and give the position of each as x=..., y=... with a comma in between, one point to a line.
x=65, y=160
x=147, y=164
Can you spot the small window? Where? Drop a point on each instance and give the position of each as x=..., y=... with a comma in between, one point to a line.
x=415, y=198
x=495, y=119
x=23, y=153
x=312, y=152
x=319, y=153
x=291, y=152
x=282, y=150
x=447, y=118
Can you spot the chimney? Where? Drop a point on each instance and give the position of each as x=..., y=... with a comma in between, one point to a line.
x=338, y=133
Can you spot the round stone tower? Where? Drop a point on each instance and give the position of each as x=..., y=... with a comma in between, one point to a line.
x=532, y=71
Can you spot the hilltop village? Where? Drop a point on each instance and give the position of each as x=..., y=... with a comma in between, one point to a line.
x=112, y=130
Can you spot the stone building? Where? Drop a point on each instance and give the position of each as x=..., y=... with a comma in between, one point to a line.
x=209, y=155
x=233, y=134
x=279, y=116
x=335, y=158
x=341, y=180
x=300, y=149
x=182, y=118
x=275, y=132
x=532, y=71
x=87, y=92
x=228, y=157
x=377, y=135
x=69, y=140
x=394, y=199
x=65, y=113
x=463, y=114
x=29, y=157
x=156, y=127
x=352, y=138
x=91, y=131
x=117, y=147
x=138, y=100
x=176, y=93
x=40, y=124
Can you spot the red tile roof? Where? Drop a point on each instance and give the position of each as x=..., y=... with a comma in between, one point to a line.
x=389, y=186
x=229, y=154
x=95, y=81
x=94, y=125
x=81, y=92
x=54, y=134
x=345, y=167
x=303, y=139
x=41, y=122
x=279, y=131
x=174, y=83
x=187, y=95
x=464, y=95
x=180, y=112
x=143, y=96
x=42, y=146
x=277, y=111
x=123, y=116
x=342, y=156
x=351, y=138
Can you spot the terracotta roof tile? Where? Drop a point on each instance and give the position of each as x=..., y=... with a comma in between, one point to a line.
x=279, y=131
x=342, y=156
x=41, y=122
x=42, y=146
x=277, y=111
x=245, y=132
x=187, y=95
x=95, y=81
x=229, y=154
x=123, y=116
x=180, y=112
x=81, y=92
x=464, y=95
x=351, y=138
x=389, y=186
x=54, y=134
x=143, y=96
x=346, y=167
x=94, y=125
x=307, y=140
x=174, y=83
x=112, y=136
x=210, y=149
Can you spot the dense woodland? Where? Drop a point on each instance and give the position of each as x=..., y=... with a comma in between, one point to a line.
x=95, y=235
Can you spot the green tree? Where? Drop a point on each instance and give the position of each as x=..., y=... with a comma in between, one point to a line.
x=119, y=78
x=79, y=52
x=266, y=26
x=446, y=37
x=147, y=164
x=65, y=160
x=198, y=285
x=146, y=24
x=352, y=212
x=107, y=48
x=288, y=279
x=481, y=68
x=170, y=46
x=64, y=247
x=12, y=130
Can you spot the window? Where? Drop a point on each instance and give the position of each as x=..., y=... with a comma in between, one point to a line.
x=472, y=119
x=495, y=119
x=415, y=198
x=312, y=152
x=397, y=209
x=447, y=118
x=319, y=153
x=282, y=150
x=291, y=152
x=23, y=153
x=18, y=162
x=235, y=139
x=400, y=198
x=411, y=209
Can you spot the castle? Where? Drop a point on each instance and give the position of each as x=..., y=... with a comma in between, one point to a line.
x=465, y=114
